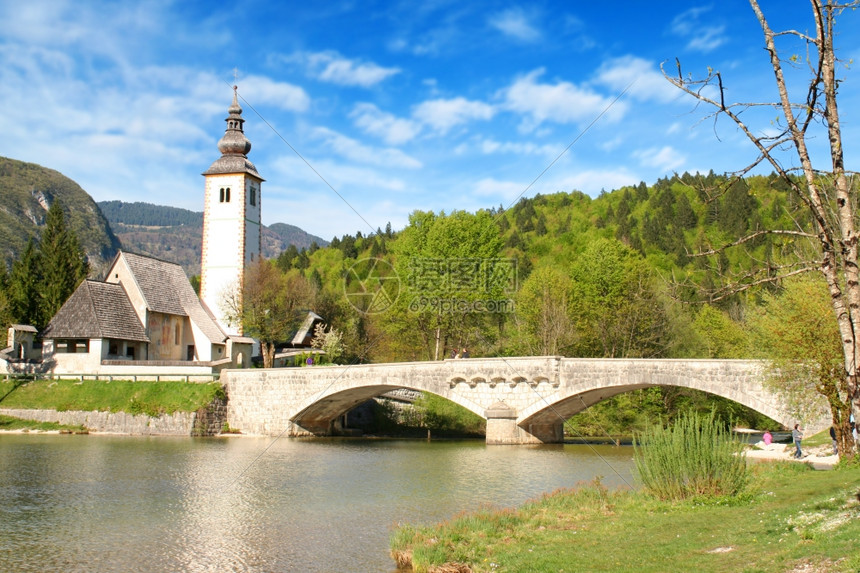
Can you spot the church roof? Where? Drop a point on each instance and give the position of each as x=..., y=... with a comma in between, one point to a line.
x=159, y=282
x=234, y=146
x=166, y=289
x=97, y=310
x=232, y=164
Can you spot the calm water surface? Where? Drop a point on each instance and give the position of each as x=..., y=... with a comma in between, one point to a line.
x=99, y=503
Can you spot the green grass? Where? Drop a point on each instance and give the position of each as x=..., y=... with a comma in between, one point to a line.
x=793, y=518
x=10, y=423
x=152, y=398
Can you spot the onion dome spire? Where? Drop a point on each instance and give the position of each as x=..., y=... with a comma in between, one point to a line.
x=234, y=146
x=234, y=141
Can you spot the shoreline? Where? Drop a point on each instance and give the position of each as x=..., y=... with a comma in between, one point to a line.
x=819, y=457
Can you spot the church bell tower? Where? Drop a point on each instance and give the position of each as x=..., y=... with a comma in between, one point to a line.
x=231, y=220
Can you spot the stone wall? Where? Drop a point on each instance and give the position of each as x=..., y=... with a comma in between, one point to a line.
x=207, y=421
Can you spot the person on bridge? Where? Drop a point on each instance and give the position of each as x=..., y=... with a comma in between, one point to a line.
x=797, y=436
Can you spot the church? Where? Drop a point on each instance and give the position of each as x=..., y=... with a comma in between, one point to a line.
x=144, y=317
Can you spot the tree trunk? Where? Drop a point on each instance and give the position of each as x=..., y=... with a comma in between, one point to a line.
x=267, y=349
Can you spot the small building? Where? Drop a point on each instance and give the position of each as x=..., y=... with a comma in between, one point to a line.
x=301, y=342
x=21, y=355
x=20, y=343
x=143, y=317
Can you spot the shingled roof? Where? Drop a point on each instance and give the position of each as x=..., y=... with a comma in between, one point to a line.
x=97, y=310
x=166, y=289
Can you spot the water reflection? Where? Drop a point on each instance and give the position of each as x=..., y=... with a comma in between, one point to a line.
x=85, y=503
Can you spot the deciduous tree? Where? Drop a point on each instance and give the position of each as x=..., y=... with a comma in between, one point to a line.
x=808, y=124
x=616, y=304
x=271, y=307
x=447, y=263
x=543, y=312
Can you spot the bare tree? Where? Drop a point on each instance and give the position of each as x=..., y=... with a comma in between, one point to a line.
x=271, y=307
x=829, y=195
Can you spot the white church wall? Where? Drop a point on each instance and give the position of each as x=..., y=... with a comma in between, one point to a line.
x=223, y=256
x=74, y=363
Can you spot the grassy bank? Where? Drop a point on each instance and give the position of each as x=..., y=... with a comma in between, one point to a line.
x=152, y=398
x=793, y=519
x=8, y=423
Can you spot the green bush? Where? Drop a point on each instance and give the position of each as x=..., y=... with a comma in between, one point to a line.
x=696, y=458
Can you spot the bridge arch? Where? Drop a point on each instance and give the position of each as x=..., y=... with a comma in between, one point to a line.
x=569, y=401
x=317, y=413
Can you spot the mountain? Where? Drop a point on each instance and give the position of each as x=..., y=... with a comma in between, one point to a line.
x=176, y=235
x=28, y=190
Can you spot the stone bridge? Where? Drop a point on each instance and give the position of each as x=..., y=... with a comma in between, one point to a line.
x=524, y=399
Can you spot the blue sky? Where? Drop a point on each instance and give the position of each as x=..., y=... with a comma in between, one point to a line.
x=397, y=105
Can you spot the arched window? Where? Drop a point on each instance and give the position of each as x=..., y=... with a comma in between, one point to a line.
x=227, y=195
x=222, y=195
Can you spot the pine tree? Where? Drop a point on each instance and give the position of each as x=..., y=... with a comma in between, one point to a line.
x=5, y=310
x=63, y=263
x=23, y=289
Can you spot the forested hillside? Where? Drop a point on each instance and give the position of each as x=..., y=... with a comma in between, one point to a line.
x=149, y=215
x=633, y=246
x=175, y=234
x=27, y=191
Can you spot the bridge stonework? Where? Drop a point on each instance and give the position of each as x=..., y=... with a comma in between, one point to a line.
x=524, y=399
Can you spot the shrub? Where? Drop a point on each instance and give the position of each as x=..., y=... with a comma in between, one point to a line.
x=696, y=458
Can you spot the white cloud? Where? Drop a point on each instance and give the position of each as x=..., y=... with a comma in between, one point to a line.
x=612, y=144
x=701, y=37
x=443, y=114
x=392, y=129
x=490, y=187
x=490, y=146
x=516, y=24
x=330, y=66
x=562, y=102
x=356, y=151
x=648, y=82
x=263, y=90
x=664, y=158
x=709, y=38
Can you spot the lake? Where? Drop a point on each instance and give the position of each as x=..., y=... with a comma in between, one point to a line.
x=121, y=503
